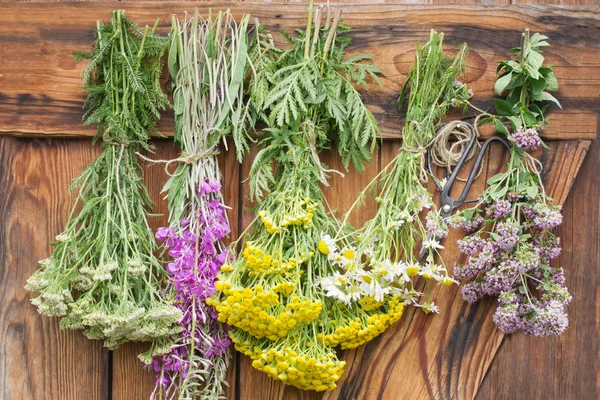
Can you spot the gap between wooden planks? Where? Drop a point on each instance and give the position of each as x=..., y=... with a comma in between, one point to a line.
x=40, y=83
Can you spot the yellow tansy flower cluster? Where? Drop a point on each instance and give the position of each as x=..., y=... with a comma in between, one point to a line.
x=316, y=369
x=361, y=330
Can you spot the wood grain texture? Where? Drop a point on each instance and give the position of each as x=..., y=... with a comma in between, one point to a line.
x=45, y=80
x=37, y=359
x=445, y=356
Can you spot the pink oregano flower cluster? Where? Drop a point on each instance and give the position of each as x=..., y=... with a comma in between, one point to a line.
x=197, y=251
x=510, y=249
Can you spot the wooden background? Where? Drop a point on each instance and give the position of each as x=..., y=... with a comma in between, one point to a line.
x=458, y=354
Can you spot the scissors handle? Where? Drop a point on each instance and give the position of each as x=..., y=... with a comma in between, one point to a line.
x=448, y=203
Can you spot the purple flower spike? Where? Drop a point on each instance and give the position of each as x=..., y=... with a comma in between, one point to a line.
x=197, y=252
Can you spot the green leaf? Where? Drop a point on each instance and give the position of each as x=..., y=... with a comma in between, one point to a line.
x=500, y=127
x=515, y=122
x=538, y=85
x=502, y=82
x=503, y=108
x=172, y=61
x=532, y=191
x=535, y=60
x=551, y=82
x=545, y=96
x=528, y=117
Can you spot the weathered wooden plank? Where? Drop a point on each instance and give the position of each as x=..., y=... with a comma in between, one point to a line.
x=444, y=356
x=563, y=367
x=40, y=89
x=37, y=359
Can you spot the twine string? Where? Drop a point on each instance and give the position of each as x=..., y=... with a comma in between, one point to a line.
x=187, y=158
x=311, y=139
x=418, y=149
x=451, y=142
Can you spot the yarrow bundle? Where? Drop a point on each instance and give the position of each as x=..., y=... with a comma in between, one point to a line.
x=280, y=316
x=510, y=243
x=387, y=242
x=102, y=276
x=208, y=61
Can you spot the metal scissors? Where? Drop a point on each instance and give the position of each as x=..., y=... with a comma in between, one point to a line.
x=449, y=204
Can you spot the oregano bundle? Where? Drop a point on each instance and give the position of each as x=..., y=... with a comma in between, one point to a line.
x=510, y=244
x=102, y=276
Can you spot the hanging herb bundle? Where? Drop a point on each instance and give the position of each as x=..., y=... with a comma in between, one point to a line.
x=208, y=62
x=387, y=242
x=102, y=276
x=510, y=242
x=280, y=317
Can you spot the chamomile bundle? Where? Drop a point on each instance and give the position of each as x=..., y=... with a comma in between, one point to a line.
x=387, y=246
x=102, y=276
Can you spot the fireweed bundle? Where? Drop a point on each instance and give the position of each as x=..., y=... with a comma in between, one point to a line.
x=386, y=243
x=280, y=316
x=510, y=243
x=208, y=61
x=102, y=276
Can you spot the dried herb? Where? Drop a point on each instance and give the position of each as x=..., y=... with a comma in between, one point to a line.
x=102, y=276
x=208, y=61
x=280, y=317
x=510, y=243
x=387, y=243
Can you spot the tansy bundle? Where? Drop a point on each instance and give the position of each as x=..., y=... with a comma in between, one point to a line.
x=281, y=317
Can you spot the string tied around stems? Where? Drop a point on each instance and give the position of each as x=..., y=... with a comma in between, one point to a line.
x=420, y=149
x=192, y=157
x=117, y=141
x=308, y=129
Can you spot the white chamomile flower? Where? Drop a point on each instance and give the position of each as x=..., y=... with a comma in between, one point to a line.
x=371, y=286
x=422, y=201
x=348, y=258
x=405, y=216
x=354, y=292
x=327, y=245
x=395, y=225
x=431, y=271
x=428, y=307
x=331, y=285
x=397, y=270
x=432, y=244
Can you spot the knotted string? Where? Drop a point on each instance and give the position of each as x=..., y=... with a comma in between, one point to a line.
x=117, y=141
x=311, y=140
x=419, y=149
x=184, y=158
